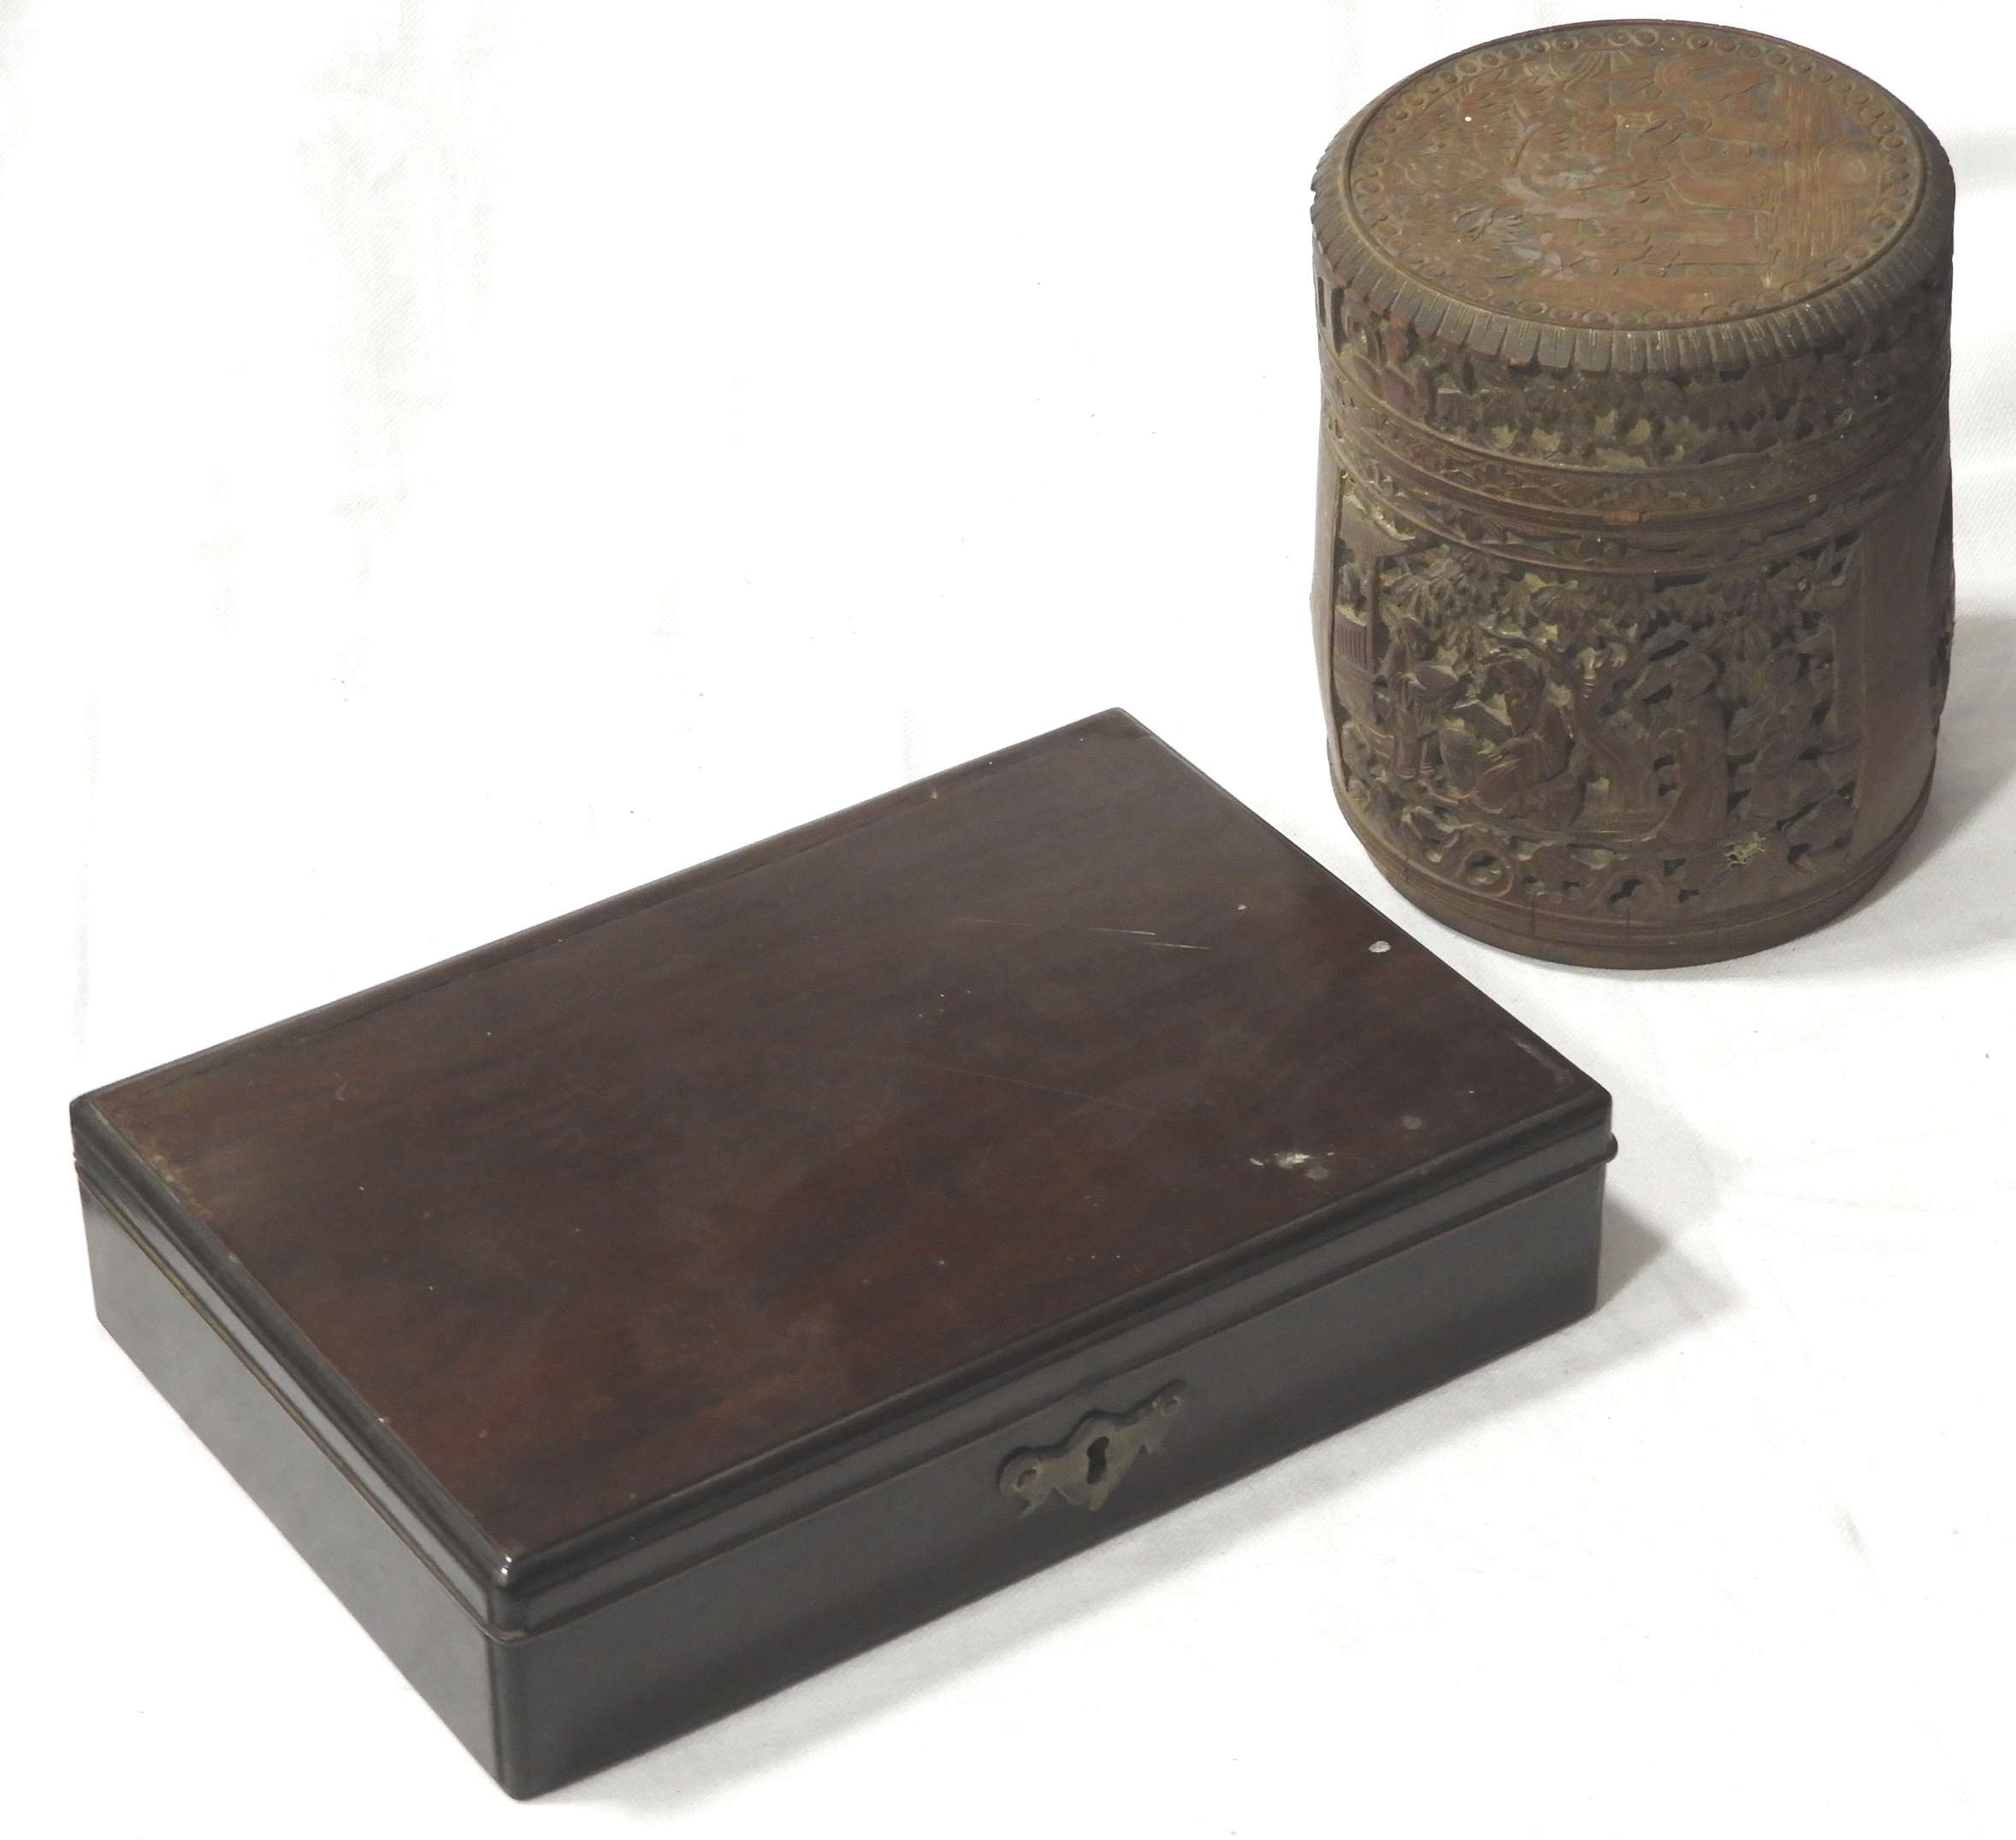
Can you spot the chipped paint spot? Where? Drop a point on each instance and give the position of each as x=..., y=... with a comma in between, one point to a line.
x=1285, y=1159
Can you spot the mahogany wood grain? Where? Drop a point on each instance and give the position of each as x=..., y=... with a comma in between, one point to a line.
x=638, y=1196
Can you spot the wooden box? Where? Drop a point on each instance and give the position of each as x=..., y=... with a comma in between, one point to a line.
x=635, y=1316
x=1634, y=591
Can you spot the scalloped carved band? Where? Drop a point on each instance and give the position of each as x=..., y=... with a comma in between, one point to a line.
x=1634, y=651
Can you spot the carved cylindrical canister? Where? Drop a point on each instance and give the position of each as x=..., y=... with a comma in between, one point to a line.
x=1634, y=582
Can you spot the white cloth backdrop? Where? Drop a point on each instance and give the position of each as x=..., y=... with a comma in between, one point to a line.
x=460, y=460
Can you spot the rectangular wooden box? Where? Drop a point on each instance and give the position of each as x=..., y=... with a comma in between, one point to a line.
x=635, y=1316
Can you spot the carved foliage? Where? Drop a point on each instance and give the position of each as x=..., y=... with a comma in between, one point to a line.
x=1631, y=423
x=1631, y=331
x=1631, y=748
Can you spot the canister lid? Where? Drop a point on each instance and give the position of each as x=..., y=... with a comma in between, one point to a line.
x=1635, y=194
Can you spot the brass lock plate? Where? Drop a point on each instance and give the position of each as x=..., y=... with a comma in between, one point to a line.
x=1091, y=1463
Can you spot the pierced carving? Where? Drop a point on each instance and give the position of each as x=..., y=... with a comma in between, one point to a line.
x=1094, y=1460
x=1635, y=360
x=1608, y=747
x=1620, y=451
x=1468, y=498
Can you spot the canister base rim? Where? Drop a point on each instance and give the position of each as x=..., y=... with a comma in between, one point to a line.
x=1620, y=946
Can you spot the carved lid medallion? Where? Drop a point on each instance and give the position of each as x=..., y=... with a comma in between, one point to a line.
x=1649, y=192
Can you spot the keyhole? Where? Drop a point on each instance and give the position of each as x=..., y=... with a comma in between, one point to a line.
x=1096, y=1461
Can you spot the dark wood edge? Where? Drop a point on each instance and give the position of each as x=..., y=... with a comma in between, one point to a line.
x=217, y=1285
x=514, y=1595
x=517, y=1592
x=203, y=1305
x=951, y=1431
x=923, y=1592
x=881, y=1452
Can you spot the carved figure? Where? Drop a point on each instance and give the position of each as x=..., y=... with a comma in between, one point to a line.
x=1635, y=580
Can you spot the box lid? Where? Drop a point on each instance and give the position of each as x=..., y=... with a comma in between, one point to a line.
x=1635, y=196
x=657, y=1216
